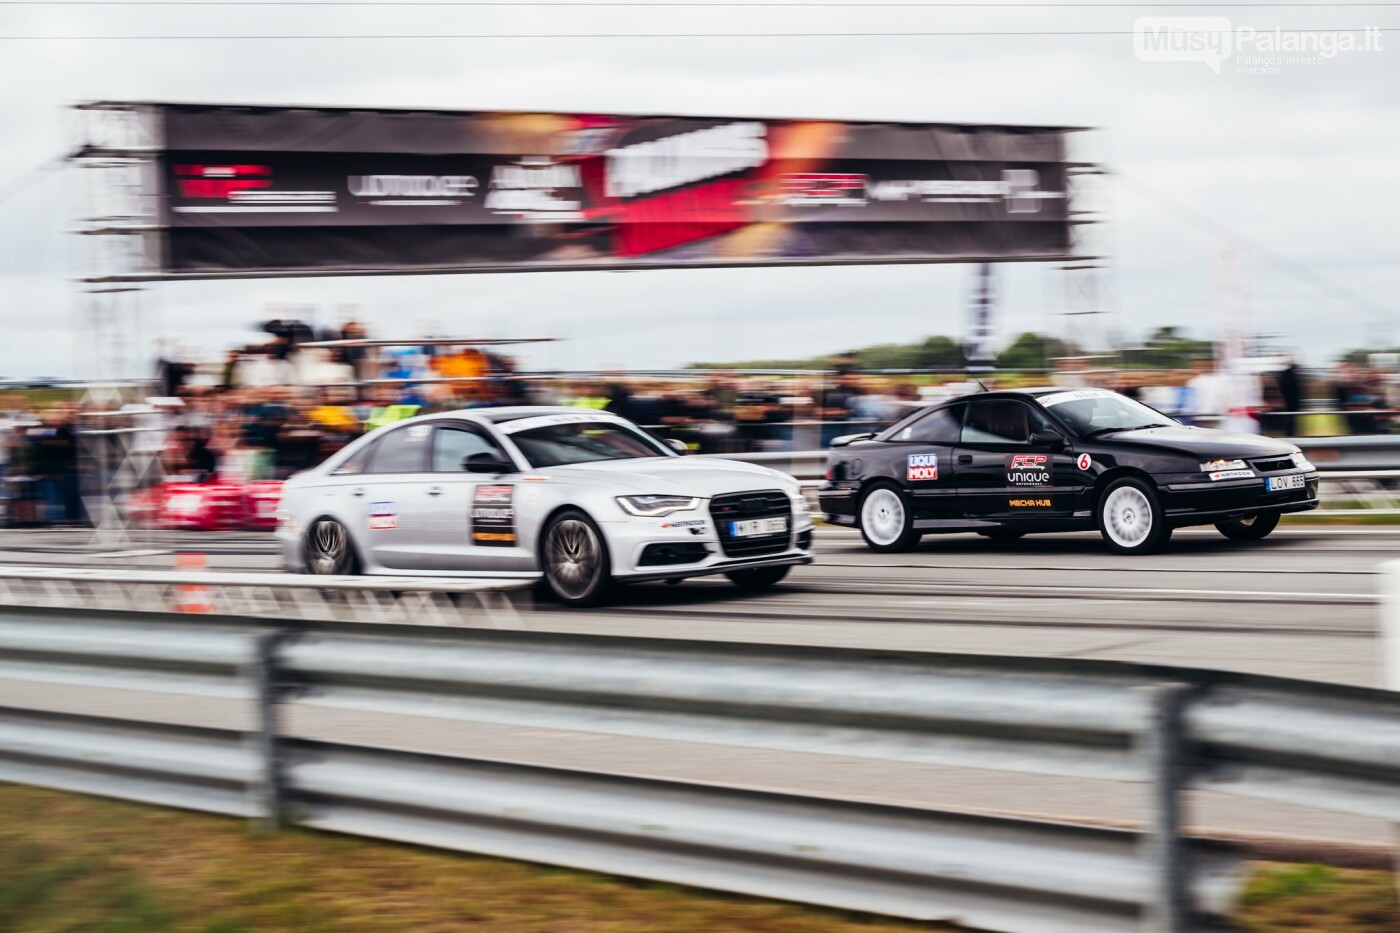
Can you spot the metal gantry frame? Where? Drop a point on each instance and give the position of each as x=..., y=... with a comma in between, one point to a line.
x=1086, y=322
x=116, y=211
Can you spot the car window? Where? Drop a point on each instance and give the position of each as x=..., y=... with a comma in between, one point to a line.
x=452, y=445
x=355, y=462
x=937, y=427
x=404, y=450
x=995, y=421
x=559, y=444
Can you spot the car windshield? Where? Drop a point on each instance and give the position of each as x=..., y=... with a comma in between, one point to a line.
x=1098, y=411
x=583, y=442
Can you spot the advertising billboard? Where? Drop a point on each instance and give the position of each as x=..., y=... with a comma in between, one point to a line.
x=279, y=191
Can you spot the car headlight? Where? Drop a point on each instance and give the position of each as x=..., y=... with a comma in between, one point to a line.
x=799, y=501
x=1302, y=462
x=657, y=506
x=1211, y=466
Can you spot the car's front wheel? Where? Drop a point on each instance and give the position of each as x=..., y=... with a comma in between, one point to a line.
x=886, y=520
x=757, y=578
x=575, y=560
x=1249, y=529
x=329, y=551
x=1131, y=519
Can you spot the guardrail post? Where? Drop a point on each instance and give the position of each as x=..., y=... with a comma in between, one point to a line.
x=1164, y=753
x=1390, y=663
x=269, y=791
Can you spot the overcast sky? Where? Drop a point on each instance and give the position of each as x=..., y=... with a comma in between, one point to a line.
x=1304, y=162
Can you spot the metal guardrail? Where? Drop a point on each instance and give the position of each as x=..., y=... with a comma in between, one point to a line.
x=209, y=735
x=453, y=601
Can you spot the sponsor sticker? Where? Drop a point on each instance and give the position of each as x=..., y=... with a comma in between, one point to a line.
x=544, y=421
x=921, y=468
x=1029, y=503
x=689, y=523
x=383, y=516
x=417, y=433
x=1075, y=395
x=1231, y=474
x=493, y=516
x=1084, y=462
x=1028, y=470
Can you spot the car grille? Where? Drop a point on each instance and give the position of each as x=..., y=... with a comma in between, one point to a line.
x=1273, y=466
x=767, y=503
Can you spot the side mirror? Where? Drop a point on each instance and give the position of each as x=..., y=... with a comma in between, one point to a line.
x=486, y=463
x=678, y=446
x=1051, y=439
x=846, y=439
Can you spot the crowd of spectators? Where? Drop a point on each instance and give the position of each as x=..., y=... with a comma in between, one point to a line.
x=272, y=408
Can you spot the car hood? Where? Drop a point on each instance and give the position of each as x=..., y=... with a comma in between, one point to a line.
x=685, y=476
x=1206, y=443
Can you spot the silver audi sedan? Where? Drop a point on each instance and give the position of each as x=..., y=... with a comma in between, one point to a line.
x=584, y=499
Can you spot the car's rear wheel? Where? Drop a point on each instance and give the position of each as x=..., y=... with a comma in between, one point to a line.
x=757, y=578
x=575, y=560
x=886, y=520
x=1003, y=534
x=1131, y=519
x=1249, y=529
x=329, y=550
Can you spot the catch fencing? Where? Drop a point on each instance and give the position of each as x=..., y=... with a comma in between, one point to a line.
x=199, y=714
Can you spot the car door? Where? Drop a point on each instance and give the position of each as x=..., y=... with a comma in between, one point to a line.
x=399, y=499
x=922, y=455
x=1000, y=474
x=476, y=526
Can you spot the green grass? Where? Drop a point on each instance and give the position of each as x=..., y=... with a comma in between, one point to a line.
x=1320, y=898
x=73, y=864
x=70, y=863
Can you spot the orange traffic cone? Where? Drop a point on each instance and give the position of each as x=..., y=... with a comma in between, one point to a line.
x=192, y=597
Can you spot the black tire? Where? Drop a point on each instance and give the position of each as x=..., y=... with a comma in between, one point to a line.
x=1131, y=519
x=1003, y=534
x=757, y=578
x=575, y=560
x=886, y=519
x=329, y=550
x=1254, y=528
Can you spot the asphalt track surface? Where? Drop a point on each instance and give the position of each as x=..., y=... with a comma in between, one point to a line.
x=1302, y=603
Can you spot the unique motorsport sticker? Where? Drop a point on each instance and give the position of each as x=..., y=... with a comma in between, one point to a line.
x=493, y=516
x=383, y=516
x=1085, y=461
x=1029, y=503
x=1231, y=474
x=922, y=467
x=1028, y=470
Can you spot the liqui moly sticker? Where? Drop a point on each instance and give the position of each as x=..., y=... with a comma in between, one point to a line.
x=922, y=468
x=1084, y=462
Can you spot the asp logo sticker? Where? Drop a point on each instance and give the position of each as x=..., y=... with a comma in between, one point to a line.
x=383, y=516
x=921, y=468
x=493, y=516
x=1028, y=470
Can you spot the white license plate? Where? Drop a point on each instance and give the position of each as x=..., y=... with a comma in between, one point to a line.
x=757, y=526
x=1285, y=482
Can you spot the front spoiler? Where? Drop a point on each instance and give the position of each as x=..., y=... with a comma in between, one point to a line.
x=682, y=573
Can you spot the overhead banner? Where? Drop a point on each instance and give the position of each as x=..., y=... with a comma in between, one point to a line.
x=281, y=191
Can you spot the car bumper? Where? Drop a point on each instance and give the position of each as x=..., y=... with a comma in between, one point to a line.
x=642, y=551
x=837, y=503
x=1202, y=504
x=289, y=543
